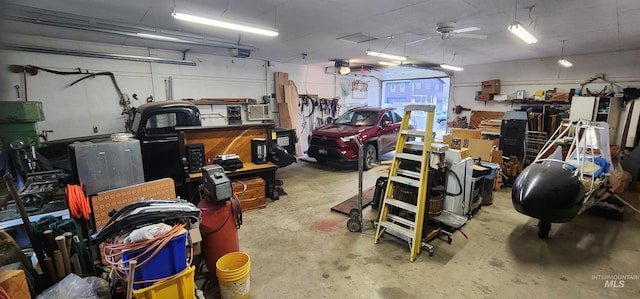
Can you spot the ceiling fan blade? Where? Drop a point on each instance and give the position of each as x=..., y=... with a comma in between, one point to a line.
x=468, y=29
x=420, y=40
x=471, y=35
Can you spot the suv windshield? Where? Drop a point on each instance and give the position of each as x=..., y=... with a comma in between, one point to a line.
x=358, y=118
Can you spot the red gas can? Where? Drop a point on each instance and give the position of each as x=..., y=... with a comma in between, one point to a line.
x=219, y=233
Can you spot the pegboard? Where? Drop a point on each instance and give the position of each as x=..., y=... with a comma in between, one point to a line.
x=105, y=202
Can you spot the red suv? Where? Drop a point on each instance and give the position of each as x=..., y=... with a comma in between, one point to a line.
x=377, y=127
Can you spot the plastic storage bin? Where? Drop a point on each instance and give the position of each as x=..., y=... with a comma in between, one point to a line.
x=172, y=259
x=181, y=287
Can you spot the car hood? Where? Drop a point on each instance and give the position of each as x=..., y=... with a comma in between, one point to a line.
x=339, y=130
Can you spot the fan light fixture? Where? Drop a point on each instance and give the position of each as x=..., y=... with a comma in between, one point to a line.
x=345, y=70
x=563, y=61
x=387, y=63
x=522, y=33
x=223, y=24
x=451, y=67
x=388, y=56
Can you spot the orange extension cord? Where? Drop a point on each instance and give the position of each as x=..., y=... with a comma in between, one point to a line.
x=112, y=248
x=78, y=202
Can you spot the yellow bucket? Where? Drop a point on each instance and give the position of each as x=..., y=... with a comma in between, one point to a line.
x=232, y=270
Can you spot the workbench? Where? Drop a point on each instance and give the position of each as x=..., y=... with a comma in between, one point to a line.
x=235, y=139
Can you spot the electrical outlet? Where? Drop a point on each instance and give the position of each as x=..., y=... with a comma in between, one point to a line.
x=95, y=129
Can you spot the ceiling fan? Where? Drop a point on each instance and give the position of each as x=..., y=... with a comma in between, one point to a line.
x=445, y=30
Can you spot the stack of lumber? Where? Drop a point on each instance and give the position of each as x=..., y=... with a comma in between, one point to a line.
x=490, y=125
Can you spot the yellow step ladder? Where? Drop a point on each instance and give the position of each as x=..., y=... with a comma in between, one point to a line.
x=406, y=228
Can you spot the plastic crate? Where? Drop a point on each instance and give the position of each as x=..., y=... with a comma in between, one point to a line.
x=172, y=259
x=181, y=287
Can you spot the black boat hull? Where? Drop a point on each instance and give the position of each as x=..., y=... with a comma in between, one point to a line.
x=548, y=193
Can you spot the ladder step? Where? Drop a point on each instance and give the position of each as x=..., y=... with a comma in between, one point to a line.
x=425, y=108
x=403, y=221
x=394, y=229
x=409, y=173
x=414, y=145
x=401, y=204
x=407, y=181
x=414, y=133
x=412, y=157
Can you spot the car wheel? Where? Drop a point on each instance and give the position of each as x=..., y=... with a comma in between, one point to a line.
x=369, y=157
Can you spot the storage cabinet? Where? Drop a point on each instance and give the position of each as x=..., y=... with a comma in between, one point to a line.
x=598, y=109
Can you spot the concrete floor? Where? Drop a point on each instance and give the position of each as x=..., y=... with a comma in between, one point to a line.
x=300, y=249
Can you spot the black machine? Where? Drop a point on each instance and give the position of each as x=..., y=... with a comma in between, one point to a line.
x=259, y=150
x=216, y=186
x=195, y=157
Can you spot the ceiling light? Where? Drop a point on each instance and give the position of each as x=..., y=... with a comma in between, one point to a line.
x=522, y=33
x=388, y=56
x=159, y=37
x=451, y=67
x=388, y=63
x=223, y=24
x=345, y=70
x=565, y=63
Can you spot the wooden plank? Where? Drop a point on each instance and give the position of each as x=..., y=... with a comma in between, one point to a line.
x=481, y=148
x=106, y=201
x=478, y=115
x=227, y=140
x=292, y=102
x=280, y=82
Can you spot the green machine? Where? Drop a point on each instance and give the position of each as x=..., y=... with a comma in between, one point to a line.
x=18, y=121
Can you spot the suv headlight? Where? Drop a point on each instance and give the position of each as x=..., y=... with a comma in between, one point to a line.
x=348, y=138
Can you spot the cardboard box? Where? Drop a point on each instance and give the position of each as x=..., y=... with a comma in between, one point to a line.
x=446, y=139
x=466, y=133
x=464, y=152
x=485, y=98
x=14, y=283
x=491, y=87
x=481, y=148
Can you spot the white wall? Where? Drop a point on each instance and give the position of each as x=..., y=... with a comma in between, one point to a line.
x=623, y=68
x=76, y=110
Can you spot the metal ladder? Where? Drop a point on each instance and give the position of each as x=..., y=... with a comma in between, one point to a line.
x=400, y=227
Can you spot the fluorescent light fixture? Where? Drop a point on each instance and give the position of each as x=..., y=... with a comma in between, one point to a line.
x=565, y=63
x=451, y=67
x=388, y=63
x=522, y=33
x=223, y=24
x=388, y=56
x=345, y=70
x=158, y=37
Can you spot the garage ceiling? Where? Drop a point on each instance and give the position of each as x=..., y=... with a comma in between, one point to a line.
x=313, y=27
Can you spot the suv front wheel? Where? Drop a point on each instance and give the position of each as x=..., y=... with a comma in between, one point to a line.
x=369, y=157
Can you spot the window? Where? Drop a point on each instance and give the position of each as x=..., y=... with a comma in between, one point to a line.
x=433, y=91
x=386, y=117
x=401, y=87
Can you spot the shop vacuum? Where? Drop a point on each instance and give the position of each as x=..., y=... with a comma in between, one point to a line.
x=221, y=216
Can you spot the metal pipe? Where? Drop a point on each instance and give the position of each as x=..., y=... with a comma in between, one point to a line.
x=99, y=55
